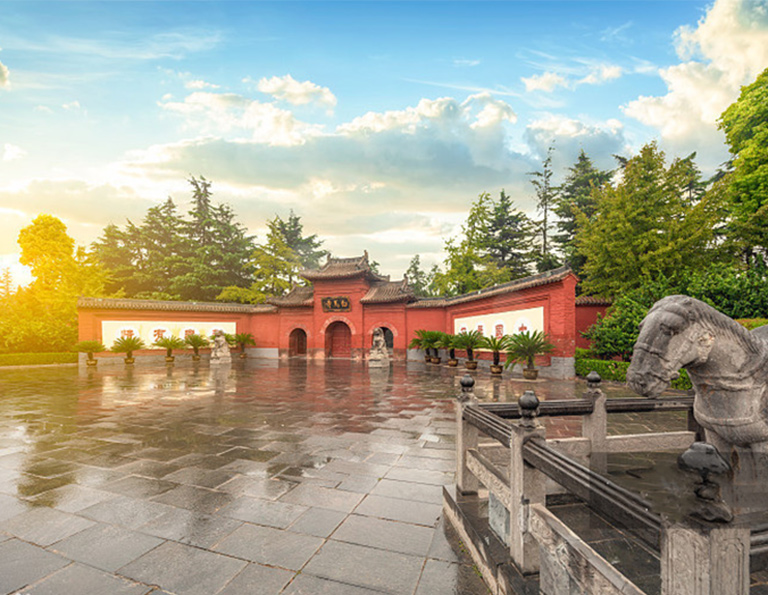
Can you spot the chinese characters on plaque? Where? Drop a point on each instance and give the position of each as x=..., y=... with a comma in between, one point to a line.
x=336, y=304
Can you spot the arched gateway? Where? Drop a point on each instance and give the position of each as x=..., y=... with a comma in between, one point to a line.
x=338, y=340
x=297, y=342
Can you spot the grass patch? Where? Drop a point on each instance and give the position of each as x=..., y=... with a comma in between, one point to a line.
x=36, y=359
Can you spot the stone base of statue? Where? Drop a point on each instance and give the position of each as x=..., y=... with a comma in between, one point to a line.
x=378, y=361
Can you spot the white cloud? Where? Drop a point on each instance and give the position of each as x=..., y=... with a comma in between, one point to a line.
x=71, y=106
x=726, y=50
x=223, y=113
x=463, y=62
x=286, y=88
x=568, y=136
x=4, y=75
x=547, y=82
x=12, y=152
x=199, y=85
x=600, y=74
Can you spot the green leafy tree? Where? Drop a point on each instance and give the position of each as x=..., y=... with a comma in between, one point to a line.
x=508, y=236
x=646, y=228
x=6, y=283
x=485, y=254
x=307, y=248
x=421, y=282
x=576, y=195
x=169, y=256
x=615, y=335
x=275, y=266
x=745, y=124
x=43, y=315
x=545, y=202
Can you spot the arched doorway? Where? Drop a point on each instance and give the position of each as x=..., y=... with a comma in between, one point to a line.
x=297, y=342
x=338, y=340
x=389, y=338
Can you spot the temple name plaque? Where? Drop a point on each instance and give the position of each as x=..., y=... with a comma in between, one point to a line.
x=336, y=304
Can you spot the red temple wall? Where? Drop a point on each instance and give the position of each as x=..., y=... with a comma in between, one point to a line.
x=272, y=330
x=586, y=316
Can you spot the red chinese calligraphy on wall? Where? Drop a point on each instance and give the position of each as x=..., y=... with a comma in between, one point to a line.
x=499, y=331
x=158, y=333
x=480, y=329
x=126, y=333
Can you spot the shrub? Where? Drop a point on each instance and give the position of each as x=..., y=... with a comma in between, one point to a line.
x=752, y=323
x=616, y=334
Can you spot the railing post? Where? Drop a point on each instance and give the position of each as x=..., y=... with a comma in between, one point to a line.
x=701, y=559
x=466, y=438
x=526, y=487
x=710, y=557
x=595, y=425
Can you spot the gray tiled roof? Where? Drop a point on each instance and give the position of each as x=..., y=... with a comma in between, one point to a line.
x=389, y=292
x=298, y=297
x=553, y=276
x=89, y=303
x=344, y=268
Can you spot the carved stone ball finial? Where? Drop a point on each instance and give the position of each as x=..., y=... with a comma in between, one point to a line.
x=467, y=387
x=593, y=380
x=528, y=404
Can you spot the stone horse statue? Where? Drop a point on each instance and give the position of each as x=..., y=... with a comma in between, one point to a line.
x=727, y=364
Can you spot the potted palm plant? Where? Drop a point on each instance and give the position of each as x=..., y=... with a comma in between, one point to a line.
x=447, y=342
x=524, y=347
x=496, y=345
x=196, y=342
x=127, y=345
x=89, y=348
x=418, y=343
x=469, y=341
x=169, y=344
x=431, y=343
x=243, y=339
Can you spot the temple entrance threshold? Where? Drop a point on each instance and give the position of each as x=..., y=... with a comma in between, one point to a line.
x=338, y=340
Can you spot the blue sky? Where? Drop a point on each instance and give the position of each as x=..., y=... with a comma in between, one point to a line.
x=377, y=122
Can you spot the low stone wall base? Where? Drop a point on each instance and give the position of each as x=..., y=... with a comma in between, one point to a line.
x=468, y=515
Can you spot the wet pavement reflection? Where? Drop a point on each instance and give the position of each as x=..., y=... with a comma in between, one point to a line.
x=263, y=477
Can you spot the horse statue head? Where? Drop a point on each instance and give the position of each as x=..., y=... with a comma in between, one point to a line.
x=672, y=336
x=727, y=365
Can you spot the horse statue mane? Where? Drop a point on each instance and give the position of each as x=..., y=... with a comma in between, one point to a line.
x=725, y=362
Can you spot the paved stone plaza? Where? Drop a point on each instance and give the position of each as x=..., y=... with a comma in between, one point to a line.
x=264, y=478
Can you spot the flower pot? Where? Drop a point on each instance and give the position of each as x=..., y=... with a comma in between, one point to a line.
x=195, y=357
x=435, y=360
x=242, y=355
x=497, y=369
x=530, y=373
x=130, y=360
x=91, y=362
x=453, y=362
x=470, y=364
x=169, y=359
